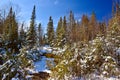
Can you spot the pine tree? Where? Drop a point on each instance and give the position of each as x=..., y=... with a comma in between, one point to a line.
x=64, y=25
x=40, y=35
x=14, y=29
x=71, y=26
x=59, y=27
x=31, y=34
x=50, y=31
x=7, y=25
x=44, y=39
x=58, y=30
x=10, y=34
x=22, y=35
x=60, y=33
x=16, y=66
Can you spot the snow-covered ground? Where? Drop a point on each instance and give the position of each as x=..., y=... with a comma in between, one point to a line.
x=41, y=65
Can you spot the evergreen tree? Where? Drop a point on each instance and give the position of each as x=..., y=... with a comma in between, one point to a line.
x=40, y=35
x=71, y=20
x=7, y=25
x=14, y=29
x=101, y=30
x=71, y=26
x=59, y=27
x=10, y=34
x=44, y=39
x=11, y=27
x=31, y=34
x=16, y=66
x=64, y=23
x=60, y=32
x=50, y=31
x=22, y=35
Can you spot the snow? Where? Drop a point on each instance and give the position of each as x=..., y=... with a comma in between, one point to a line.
x=118, y=51
x=105, y=72
x=30, y=70
x=2, y=51
x=48, y=71
x=28, y=77
x=106, y=66
x=15, y=79
x=41, y=65
x=46, y=49
x=13, y=69
x=59, y=50
x=4, y=76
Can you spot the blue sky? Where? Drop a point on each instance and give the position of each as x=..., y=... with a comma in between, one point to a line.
x=57, y=8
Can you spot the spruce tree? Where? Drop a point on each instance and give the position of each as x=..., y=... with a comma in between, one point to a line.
x=40, y=34
x=22, y=35
x=64, y=24
x=59, y=27
x=60, y=33
x=31, y=34
x=44, y=39
x=71, y=25
x=14, y=29
x=7, y=24
x=50, y=31
x=10, y=34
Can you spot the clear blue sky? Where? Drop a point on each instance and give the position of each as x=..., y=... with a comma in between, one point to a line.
x=57, y=8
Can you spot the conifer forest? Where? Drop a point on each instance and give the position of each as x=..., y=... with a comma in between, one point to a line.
x=69, y=48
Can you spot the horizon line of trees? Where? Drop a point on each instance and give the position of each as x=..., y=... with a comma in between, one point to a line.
x=69, y=30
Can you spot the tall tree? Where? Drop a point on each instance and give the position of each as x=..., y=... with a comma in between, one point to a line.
x=59, y=27
x=64, y=25
x=11, y=30
x=14, y=28
x=60, y=33
x=92, y=27
x=31, y=34
x=116, y=9
x=40, y=35
x=7, y=24
x=101, y=28
x=22, y=34
x=84, y=28
x=71, y=26
x=50, y=31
